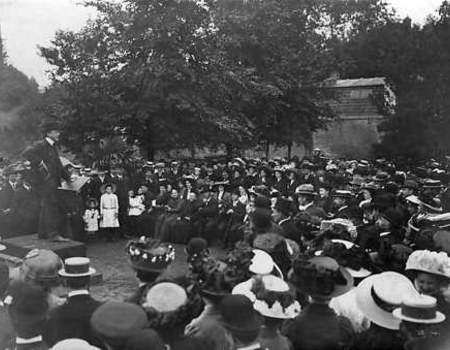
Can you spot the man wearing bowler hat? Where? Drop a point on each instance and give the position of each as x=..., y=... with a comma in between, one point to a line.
x=72, y=319
x=47, y=174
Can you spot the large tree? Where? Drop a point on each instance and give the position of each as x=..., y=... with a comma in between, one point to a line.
x=149, y=71
x=187, y=73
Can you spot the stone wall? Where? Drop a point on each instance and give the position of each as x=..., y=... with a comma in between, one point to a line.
x=350, y=137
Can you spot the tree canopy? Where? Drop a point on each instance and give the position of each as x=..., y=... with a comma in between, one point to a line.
x=177, y=73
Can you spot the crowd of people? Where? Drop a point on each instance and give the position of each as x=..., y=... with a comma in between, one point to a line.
x=321, y=254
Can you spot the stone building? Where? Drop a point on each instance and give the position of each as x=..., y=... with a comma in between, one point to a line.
x=360, y=105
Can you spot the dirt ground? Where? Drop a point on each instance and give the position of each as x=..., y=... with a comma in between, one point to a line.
x=119, y=279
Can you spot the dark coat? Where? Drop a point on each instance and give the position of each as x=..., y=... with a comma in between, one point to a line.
x=378, y=338
x=318, y=327
x=96, y=185
x=280, y=186
x=72, y=320
x=46, y=167
x=6, y=196
x=315, y=212
x=291, y=186
x=290, y=230
x=25, y=210
x=6, y=329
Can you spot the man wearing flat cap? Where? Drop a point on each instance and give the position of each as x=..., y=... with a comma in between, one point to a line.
x=47, y=173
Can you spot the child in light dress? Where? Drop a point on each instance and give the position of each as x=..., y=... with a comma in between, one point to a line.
x=109, y=213
x=91, y=217
x=135, y=208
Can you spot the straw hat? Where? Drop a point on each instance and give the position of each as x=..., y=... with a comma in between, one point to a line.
x=378, y=295
x=77, y=267
x=419, y=309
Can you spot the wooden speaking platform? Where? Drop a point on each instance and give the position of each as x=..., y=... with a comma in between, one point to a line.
x=20, y=246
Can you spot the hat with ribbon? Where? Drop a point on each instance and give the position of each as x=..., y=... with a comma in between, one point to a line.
x=306, y=189
x=378, y=295
x=77, y=267
x=419, y=309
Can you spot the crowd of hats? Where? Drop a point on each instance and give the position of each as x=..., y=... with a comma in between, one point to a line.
x=270, y=276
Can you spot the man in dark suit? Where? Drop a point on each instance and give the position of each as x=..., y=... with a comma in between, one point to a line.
x=282, y=215
x=25, y=209
x=72, y=319
x=99, y=179
x=208, y=214
x=6, y=201
x=46, y=175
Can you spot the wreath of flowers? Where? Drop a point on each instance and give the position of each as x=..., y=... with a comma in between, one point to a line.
x=150, y=251
x=286, y=299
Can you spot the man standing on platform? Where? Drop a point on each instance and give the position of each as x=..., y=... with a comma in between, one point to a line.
x=46, y=174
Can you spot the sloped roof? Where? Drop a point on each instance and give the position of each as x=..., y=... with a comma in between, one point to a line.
x=341, y=83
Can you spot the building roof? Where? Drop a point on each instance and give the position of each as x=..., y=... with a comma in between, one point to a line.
x=342, y=83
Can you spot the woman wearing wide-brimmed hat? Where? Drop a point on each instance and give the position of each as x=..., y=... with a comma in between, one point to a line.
x=377, y=297
x=276, y=301
x=430, y=272
x=212, y=286
x=358, y=263
x=318, y=326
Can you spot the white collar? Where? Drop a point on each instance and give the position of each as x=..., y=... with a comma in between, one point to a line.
x=251, y=347
x=284, y=220
x=78, y=292
x=304, y=207
x=50, y=141
x=36, y=339
x=2, y=304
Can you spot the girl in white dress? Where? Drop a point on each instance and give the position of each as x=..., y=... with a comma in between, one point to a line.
x=91, y=218
x=109, y=212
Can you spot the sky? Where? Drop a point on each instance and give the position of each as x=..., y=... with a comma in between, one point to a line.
x=25, y=24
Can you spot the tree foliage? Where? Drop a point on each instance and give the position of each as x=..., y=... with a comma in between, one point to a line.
x=19, y=109
x=416, y=61
x=182, y=73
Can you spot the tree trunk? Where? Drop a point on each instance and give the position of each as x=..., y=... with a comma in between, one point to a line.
x=289, y=150
x=150, y=152
x=229, y=148
x=267, y=149
x=309, y=144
